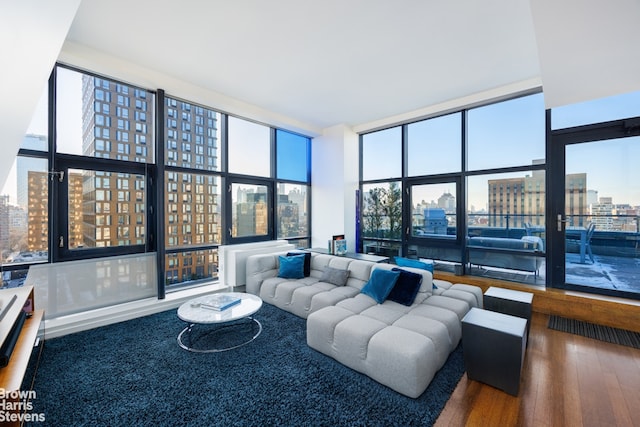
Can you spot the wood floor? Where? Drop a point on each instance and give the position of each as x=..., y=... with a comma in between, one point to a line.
x=567, y=380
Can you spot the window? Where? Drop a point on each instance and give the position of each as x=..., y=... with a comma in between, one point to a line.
x=24, y=204
x=514, y=128
x=292, y=156
x=24, y=215
x=434, y=210
x=381, y=154
x=596, y=111
x=250, y=210
x=189, y=193
x=292, y=214
x=382, y=218
x=249, y=148
x=92, y=208
x=434, y=145
x=188, y=267
x=179, y=155
x=105, y=184
x=442, y=181
x=503, y=205
x=84, y=102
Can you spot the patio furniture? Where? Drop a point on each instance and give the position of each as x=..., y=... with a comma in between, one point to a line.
x=582, y=237
x=516, y=254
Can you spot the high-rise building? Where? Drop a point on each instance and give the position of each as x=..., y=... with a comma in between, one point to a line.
x=4, y=224
x=26, y=164
x=38, y=211
x=118, y=124
x=251, y=216
x=602, y=214
x=514, y=201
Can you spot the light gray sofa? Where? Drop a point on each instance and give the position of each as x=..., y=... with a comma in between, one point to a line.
x=399, y=346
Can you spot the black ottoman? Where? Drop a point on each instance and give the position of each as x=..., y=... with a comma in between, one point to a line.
x=507, y=301
x=494, y=348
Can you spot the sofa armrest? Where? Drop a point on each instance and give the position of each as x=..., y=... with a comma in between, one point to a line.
x=259, y=268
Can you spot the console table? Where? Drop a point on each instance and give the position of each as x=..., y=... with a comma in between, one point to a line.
x=12, y=375
x=353, y=255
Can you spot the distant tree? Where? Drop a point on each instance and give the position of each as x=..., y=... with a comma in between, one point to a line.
x=373, y=214
x=382, y=214
x=393, y=210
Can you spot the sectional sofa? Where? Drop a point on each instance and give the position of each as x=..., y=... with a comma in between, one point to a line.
x=400, y=340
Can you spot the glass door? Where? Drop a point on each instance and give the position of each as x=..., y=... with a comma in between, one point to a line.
x=600, y=225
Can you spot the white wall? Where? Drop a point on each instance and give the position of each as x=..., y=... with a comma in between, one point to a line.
x=31, y=35
x=587, y=48
x=335, y=180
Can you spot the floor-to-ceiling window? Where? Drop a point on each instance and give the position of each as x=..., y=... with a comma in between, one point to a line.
x=129, y=170
x=472, y=186
x=480, y=188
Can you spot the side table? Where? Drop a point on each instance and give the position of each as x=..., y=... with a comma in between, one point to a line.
x=508, y=301
x=494, y=348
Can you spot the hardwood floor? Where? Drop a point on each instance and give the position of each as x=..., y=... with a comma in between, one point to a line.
x=567, y=380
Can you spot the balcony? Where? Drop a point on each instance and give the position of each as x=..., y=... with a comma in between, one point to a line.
x=615, y=249
x=616, y=252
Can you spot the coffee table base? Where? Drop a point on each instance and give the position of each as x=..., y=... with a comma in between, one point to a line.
x=187, y=335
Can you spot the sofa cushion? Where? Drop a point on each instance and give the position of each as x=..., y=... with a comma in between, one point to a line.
x=335, y=276
x=406, y=288
x=307, y=261
x=380, y=284
x=291, y=267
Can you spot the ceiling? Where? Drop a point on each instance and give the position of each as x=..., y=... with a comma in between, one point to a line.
x=354, y=62
x=321, y=62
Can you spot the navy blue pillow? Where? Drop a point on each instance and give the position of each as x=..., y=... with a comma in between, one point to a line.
x=307, y=261
x=380, y=284
x=406, y=288
x=291, y=267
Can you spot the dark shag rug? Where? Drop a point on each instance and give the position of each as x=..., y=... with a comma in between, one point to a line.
x=134, y=374
x=598, y=332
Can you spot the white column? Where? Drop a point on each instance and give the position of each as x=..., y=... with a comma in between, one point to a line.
x=334, y=181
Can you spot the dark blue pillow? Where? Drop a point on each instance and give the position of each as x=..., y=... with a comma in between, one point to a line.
x=291, y=267
x=380, y=284
x=307, y=261
x=406, y=288
x=408, y=262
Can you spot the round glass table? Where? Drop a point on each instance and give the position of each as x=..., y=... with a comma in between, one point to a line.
x=213, y=330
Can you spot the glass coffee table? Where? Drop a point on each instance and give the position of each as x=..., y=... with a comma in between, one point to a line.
x=210, y=330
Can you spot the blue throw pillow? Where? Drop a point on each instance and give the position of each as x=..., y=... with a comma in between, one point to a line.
x=291, y=267
x=380, y=284
x=408, y=262
x=406, y=288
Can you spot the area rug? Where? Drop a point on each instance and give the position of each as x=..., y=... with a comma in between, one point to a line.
x=599, y=332
x=135, y=374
